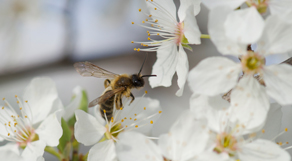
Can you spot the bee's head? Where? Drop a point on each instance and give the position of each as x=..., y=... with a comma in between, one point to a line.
x=137, y=80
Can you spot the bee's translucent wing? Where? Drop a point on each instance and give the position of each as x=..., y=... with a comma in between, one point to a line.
x=87, y=69
x=108, y=94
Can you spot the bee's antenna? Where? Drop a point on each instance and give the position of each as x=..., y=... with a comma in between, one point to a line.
x=149, y=76
x=143, y=63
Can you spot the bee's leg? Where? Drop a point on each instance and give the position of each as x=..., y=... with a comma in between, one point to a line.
x=117, y=102
x=133, y=98
x=107, y=82
x=121, y=103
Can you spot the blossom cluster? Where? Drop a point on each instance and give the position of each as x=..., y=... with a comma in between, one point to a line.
x=235, y=110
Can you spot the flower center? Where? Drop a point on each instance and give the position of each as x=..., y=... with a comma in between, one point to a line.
x=180, y=37
x=113, y=132
x=18, y=127
x=252, y=63
x=226, y=143
x=261, y=5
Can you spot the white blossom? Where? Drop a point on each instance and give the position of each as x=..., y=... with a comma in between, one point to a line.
x=90, y=130
x=175, y=35
x=36, y=125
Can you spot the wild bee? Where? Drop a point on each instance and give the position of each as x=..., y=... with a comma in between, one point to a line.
x=116, y=86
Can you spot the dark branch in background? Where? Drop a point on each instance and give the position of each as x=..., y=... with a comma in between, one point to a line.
x=226, y=96
x=69, y=28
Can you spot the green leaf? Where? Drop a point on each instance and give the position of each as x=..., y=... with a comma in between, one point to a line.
x=66, y=137
x=82, y=106
x=186, y=46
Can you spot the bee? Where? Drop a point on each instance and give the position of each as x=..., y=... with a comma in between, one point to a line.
x=116, y=86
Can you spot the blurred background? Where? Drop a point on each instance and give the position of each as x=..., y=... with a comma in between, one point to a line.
x=45, y=38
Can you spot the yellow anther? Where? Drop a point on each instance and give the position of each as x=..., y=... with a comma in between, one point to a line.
x=280, y=143
x=138, y=49
x=132, y=22
x=135, y=49
x=159, y=111
x=287, y=142
x=17, y=102
x=122, y=120
x=147, y=31
x=26, y=101
x=152, y=25
x=112, y=120
x=5, y=124
x=3, y=99
x=15, y=96
x=15, y=124
x=12, y=116
x=155, y=8
x=104, y=111
x=130, y=118
x=143, y=21
x=158, y=26
x=146, y=19
x=286, y=129
x=20, y=108
x=151, y=0
x=17, y=115
x=156, y=20
x=25, y=116
x=146, y=45
x=121, y=108
x=157, y=33
x=148, y=34
x=140, y=10
x=3, y=108
x=151, y=122
x=126, y=126
x=150, y=15
x=135, y=119
x=263, y=131
x=136, y=126
x=144, y=108
x=149, y=38
x=135, y=114
x=142, y=44
x=132, y=41
x=125, y=118
x=8, y=134
x=146, y=92
x=14, y=130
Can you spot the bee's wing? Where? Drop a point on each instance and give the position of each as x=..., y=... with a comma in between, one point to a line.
x=88, y=69
x=105, y=96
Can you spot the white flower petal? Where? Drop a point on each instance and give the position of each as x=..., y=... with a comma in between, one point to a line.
x=187, y=138
x=88, y=130
x=244, y=26
x=11, y=147
x=216, y=29
x=165, y=12
x=213, y=76
x=211, y=4
x=263, y=150
x=137, y=107
x=185, y=5
x=104, y=151
x=276, y=38
x=34, y=150
x=280, y=7
x=279, y=82
x=250, y=104
x=273, y=123
x=133, y=146
x=10, y=155
x=182, y=69
x=41, y=94
x=164, y=66
x=201, y=104
x=50, y=130
x=70, y=109
x=191, y=28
